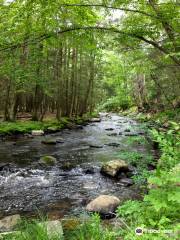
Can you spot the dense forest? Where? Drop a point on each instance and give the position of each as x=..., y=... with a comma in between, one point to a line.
x=67, y=57
x=68, y=60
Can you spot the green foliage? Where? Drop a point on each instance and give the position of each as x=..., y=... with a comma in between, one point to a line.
x=92, y=229
x=115, y=104
x=136, y=158
x=134, y=140
x=31, y=230
x=160, y=208
x=141, y=162
x=28, y=126
x=19, y=127
x=89, y=229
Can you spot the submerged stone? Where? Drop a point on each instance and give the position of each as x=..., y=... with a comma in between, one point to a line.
x=130, y=134
x=113, y=134
x=48, y=160
x=127, y=181
x=113, y=144
x=95, y=146
x=49, y=141
x=127, y=130
x=60, y=140
x=89, y=170
x=109, y=129
x=67, y=166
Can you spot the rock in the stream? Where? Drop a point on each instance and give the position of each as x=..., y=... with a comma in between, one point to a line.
x=49, y=141
x=95, y=120
x=95, y=146
x=131, y=134
x=79, y=127
x=52, y=129
x=67, y=166
x=109, y=129
x=105, y=205
x=127, y=130
x=113, y=144
x=48, y=160
x=4, y=166
x=89, y=170
x=127, y=182
x=90, y=186
x=112, y=168
x=113, y=134
x=9, y=223
x=141, y=133
x=71, y=126
x=60, y=140
x=37, y=132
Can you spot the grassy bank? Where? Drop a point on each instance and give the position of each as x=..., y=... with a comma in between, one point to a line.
x=159, y=211
x=49, y=125
x=88, y=229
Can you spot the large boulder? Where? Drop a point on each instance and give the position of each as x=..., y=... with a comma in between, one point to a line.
x=114, y=167
x=9, y=223
x=37, y=132
x=105, y=205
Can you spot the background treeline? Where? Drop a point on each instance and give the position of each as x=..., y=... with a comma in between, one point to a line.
x=67, y=57
x=56, y=77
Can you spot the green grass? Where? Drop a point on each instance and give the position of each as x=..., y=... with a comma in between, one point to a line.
x=28, y=126
x=160, y=117
x=31, y=231
x=141, y=162
x=136, y=158
x=91, y=229
x=134, y=140
x=160, y=208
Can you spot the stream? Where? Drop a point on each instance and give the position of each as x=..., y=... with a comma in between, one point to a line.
x=64, y=189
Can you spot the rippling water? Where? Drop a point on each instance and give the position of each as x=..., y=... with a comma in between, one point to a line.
x=26, y=186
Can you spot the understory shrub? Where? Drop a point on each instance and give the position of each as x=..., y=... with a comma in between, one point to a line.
x=157, y=215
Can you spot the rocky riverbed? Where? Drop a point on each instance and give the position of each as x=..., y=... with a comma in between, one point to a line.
x=70, y=176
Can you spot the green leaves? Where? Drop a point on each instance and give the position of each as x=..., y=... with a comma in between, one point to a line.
x=160, y=207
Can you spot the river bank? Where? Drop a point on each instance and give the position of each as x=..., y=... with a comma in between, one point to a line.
x=65, y=188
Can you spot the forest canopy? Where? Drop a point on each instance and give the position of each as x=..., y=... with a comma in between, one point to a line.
x=67, y=57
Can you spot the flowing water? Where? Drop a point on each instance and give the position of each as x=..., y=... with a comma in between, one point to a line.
x=27, y=187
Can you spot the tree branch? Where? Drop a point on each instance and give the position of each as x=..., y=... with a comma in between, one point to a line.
x=133, y=35
x=109, y=7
